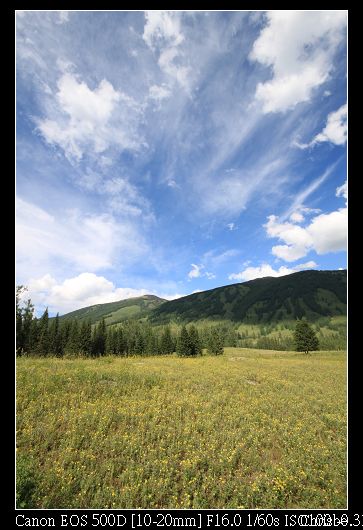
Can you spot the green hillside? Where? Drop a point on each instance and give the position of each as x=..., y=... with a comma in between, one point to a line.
x=312, y=294
x=114, y=312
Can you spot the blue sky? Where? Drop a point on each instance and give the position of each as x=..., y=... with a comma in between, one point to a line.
x=169, y=152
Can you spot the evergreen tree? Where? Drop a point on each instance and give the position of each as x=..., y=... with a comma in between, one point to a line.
x=73, y=345
x=194, y=341
x=42, y=347
x=33, y=336
x=151, y=343
x=305, y=337
x=215, y=343
x=55, y=345
x=85, y=338
x=183, y=345
x=120, y=342
x=64, y=332
x=110, y=342
x=99, y=339
x=139, y=342
x=166, y=341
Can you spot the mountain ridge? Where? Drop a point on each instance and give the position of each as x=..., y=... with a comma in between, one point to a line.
x=114, y=312
x=310, y=293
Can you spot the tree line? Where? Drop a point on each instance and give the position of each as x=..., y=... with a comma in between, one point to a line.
x=46, y=336
x=70, y=338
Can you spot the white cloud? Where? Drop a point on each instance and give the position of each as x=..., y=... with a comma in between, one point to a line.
x=82, y=120
x=83, y=290
x=329, y=231
x=326, y=233
x=162, y=27
x=92, y=242
x=342, y=191
x=251, y=273
x=298, y=46
x=159, y=92
x=335, y=130
x=308, y=265
x=169, y=62
x=296, y=217
x=195, y=271
x=163, y=34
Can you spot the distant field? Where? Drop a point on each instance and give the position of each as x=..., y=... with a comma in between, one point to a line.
x=250, y=429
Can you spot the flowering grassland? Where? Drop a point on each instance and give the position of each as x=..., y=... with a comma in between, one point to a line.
x=249, y=429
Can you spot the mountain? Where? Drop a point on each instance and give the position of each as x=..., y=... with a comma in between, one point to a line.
x=114, y=312
x=313, y=294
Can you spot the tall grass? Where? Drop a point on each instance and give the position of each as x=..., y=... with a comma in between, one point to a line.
x=250, y=429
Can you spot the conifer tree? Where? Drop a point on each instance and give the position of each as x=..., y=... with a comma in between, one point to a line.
x=33, y=336
x=139, y=342
x=183, y=345
x=42, y=347
x=166, y=341
x=120, y=341
x=305, y=337
x=99, y=339
x=194, y=341
x=215, y=342
x=55, y=345
x=151, y=343
x=85, y=338
x=73, y=345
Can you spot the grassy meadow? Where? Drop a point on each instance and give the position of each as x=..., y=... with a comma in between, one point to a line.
x=249, y=429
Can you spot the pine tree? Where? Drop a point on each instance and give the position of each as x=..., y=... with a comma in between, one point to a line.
x=215, y=343
x=183, y=345
x=33, y=336
x=120, y=342
x=166, y=341
x=73, y=346
x=99, y=339
x=305, y=337
x=152, y=345
x=64, y=331
x=194, y=341
x=85, y=338
x=42, y=347
x=55, y=345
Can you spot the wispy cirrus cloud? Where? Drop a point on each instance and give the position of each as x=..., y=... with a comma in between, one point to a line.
x=48, y=242
x=136, y=133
